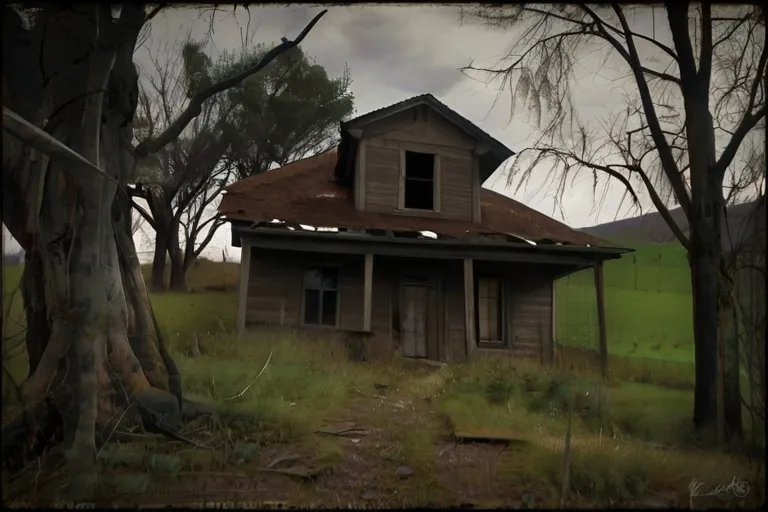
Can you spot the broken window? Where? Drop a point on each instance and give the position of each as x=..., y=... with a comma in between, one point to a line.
x=321, y=292
x=419, y=193
x=489, y=311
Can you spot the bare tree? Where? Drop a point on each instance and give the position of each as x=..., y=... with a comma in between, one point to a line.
x=697, y=95
x=96, y=356
x=285, y=113
x=171, y=180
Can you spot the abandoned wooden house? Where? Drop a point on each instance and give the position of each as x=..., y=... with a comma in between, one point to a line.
x=390, y=237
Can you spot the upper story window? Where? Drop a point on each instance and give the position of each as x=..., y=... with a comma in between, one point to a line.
x=419, y=181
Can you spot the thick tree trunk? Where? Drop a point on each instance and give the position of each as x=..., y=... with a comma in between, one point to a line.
x=93, y=341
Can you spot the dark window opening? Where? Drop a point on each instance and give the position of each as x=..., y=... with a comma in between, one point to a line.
x=419, y=181
x=488, y=310
x=321, y=292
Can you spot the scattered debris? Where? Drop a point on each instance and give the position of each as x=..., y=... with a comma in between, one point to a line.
x=285, y=458
x=343, y=430
x=471, y=434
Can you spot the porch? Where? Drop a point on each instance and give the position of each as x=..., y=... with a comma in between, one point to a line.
x=427, y=299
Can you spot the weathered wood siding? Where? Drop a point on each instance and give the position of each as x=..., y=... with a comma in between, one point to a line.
x=382, y=178
x=275, y=287
x=456, y=334
x=529, y=310
x=413, y=131
x=275, y=294
x=527, y=307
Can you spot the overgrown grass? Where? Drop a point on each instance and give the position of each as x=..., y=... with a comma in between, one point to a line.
x=630, y=440
x=283, y=383
x=631, y=436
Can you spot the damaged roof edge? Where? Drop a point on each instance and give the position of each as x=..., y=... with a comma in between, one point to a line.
x=612, y=251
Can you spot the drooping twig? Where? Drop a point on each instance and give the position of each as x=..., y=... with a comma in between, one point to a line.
x=253, y=381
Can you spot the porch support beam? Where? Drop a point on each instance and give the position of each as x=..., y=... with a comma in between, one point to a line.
x=245, y=272
x=602, y=337
x=469, y=304
x=368, y=292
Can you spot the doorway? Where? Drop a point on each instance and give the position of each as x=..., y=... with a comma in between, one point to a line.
x=419, y=331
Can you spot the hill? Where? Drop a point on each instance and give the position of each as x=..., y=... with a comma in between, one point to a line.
x=651, y=227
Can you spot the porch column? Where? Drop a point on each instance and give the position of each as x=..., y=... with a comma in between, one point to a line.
x=469, y=304
x=599, y=289
x=368, y=292
x=245, y=272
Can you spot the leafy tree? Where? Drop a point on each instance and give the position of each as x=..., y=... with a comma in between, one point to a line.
x=290, y=110
x=70, y=92
x=697, y=96
x=287, y=113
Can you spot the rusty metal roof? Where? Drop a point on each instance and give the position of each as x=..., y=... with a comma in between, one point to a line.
x=305, y=192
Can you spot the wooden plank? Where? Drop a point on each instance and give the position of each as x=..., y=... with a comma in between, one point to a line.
x=360, y=176
x=469, y=304
x=367, y=292
x=245, y=272
x=476, y=185
x=432, y=332
x=603, y=342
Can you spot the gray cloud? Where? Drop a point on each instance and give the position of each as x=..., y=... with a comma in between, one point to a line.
x=394, y=52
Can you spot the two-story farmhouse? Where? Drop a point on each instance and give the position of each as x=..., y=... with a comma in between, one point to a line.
x=391, y=237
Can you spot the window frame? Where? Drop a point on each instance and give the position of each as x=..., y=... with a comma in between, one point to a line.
x=435, y=181
x=304, y=289
x=500, y=316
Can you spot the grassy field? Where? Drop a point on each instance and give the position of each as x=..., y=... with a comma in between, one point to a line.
x=647, y=301
x=300, y=425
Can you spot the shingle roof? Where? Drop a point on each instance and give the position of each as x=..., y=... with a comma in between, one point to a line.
x=305, y=192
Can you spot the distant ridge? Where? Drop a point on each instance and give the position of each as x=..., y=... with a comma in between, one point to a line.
x=652, y=229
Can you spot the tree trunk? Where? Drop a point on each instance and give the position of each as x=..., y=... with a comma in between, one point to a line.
x=94, y=343
x=704, y=258
x=178, y=281
x=159, y=259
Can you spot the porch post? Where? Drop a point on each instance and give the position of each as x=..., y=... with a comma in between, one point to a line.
x=245, y=272
x=599, y=289
x=368, y=292
x=469, y=304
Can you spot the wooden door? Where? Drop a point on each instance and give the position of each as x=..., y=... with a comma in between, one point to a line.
x=415, y=312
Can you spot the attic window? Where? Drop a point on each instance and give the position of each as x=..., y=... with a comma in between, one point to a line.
x=419, y=181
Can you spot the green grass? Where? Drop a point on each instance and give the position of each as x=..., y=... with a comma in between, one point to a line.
x=648, y=306
x=631, y=437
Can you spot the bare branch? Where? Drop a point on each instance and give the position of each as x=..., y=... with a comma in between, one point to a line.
x=195, y=105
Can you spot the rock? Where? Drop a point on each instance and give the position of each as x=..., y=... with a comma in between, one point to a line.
x=404, y=472
x=369, y=495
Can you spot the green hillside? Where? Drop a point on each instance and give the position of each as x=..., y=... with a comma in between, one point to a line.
x=648, y=305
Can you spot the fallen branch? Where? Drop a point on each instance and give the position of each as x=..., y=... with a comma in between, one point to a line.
x=47, y=144
x=253, y=381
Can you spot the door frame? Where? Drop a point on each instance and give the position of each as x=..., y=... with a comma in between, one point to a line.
x=432, y=280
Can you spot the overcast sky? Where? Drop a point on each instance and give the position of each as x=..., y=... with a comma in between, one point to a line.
x=395, y=52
